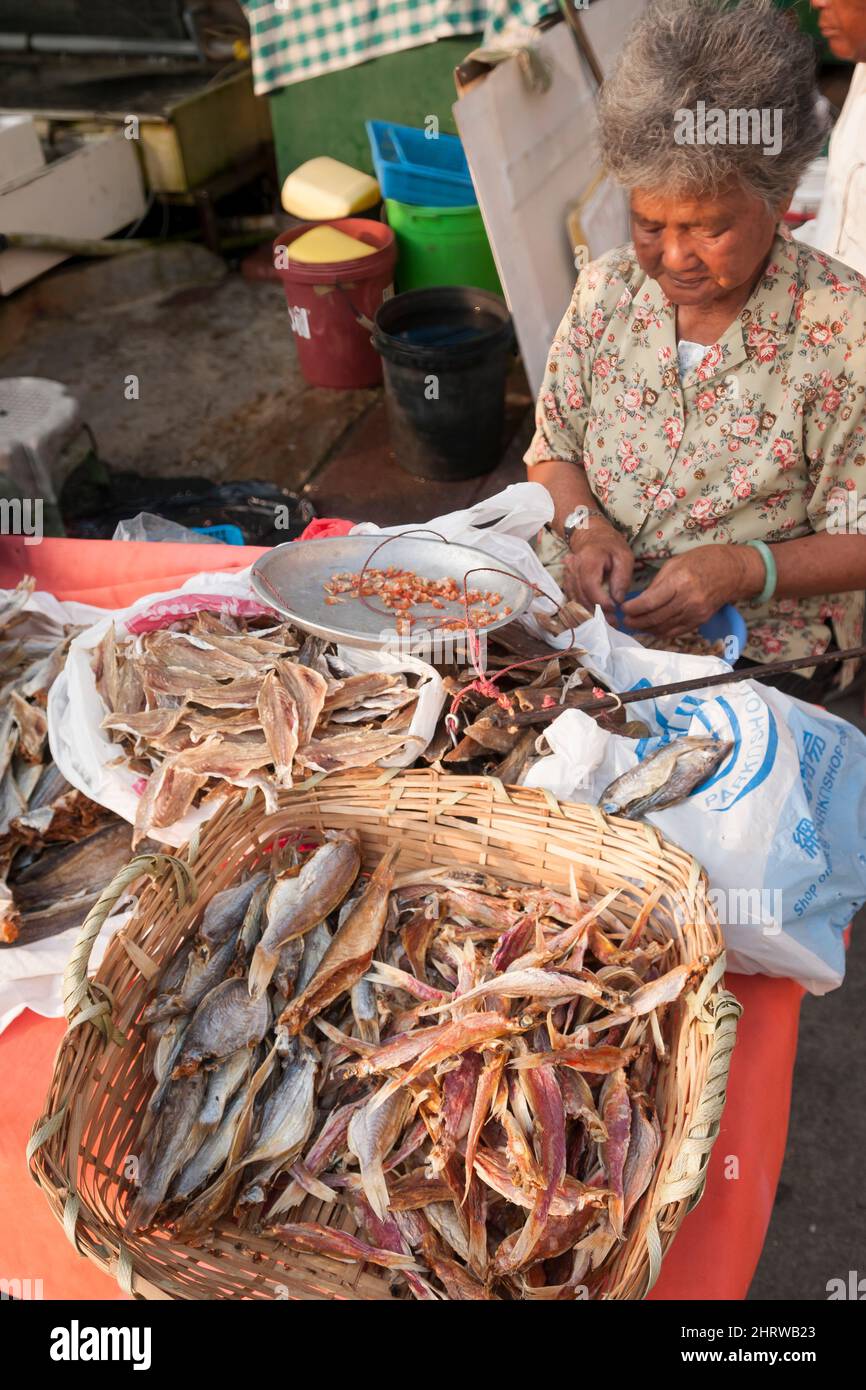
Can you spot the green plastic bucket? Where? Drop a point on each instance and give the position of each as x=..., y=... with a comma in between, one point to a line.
x=441, y=246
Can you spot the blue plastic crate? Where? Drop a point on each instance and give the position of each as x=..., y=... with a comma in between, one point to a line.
x=414, y=169
x=225, y=532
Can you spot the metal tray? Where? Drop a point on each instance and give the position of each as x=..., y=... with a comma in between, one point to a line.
x=291, y=578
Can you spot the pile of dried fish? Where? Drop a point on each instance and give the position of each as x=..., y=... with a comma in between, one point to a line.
x=468, y=1067
x=488, y=740
x=686, y=644
x=214, y=698
x=37, y=805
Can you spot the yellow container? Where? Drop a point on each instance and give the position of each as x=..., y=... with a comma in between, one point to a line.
x=325, y=188
x=328, y=244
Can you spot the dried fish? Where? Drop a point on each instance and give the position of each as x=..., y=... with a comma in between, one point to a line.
x=371, y=1137
x=212, y=1153
x=225, y=1020
x=287, y=1121
x=497, y=1153
x=280, y=723
x=339, y=1245
x=299, y=901
x=307, y=689
x=228, y=703
x=169, y=1149
x=223, y=1082
x=665, y=777
x=350, y=952
x=615, y=1108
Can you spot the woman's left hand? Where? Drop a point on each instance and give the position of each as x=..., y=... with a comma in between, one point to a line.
x=691, y=587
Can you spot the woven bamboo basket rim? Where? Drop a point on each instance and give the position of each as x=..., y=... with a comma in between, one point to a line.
x=87, y=1129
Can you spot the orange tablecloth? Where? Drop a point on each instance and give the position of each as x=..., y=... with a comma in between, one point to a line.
x=717, y=1249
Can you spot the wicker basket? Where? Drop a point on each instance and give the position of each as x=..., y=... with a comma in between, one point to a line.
x=91, y=1115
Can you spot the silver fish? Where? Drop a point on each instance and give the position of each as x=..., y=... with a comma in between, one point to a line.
x=372, y=1136
x=213, y=1151
x=226, y=910
x=254, y=920
x=316, y=943
x=664, y=778
x=165, y=1056
x=168, y=1149
x=225, y=1020
x=223, y=1083
x=364, y=1011
x=287, y=1121
x=299, y=902
x=288, y=965
x=205, y=968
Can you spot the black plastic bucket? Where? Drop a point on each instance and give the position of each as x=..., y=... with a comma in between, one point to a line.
x=445, y=353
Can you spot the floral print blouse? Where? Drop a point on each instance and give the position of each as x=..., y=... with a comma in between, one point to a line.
x=750, y=444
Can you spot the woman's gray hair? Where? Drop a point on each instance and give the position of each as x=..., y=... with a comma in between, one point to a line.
x=684, y=59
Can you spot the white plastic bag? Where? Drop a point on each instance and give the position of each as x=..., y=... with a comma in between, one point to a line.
x=31, y=974
x=779, y=827
x=88, y=758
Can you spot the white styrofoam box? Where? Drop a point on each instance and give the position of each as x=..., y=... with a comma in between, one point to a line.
x=92, y=192
x=533, y=156
x=20, y=149
x=605, y=27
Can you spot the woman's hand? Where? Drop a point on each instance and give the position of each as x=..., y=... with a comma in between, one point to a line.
x=691, y=587
x=599, y=566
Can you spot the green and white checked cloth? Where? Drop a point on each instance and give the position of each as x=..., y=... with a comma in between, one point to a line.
x=296, y=39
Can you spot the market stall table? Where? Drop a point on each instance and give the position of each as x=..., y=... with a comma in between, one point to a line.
x=718, y=1247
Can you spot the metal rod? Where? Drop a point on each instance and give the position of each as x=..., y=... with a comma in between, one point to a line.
x=629, y=697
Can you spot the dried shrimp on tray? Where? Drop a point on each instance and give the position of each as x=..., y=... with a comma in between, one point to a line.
x=339, y=588
x=412, y=1035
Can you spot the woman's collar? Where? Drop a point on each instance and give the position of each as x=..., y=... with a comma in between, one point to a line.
x=764, y=319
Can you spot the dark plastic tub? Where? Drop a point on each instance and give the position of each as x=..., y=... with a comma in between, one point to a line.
x=446, y=353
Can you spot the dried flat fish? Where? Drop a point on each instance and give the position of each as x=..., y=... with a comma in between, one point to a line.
x=308, y=689
x=280, y=721
x=148, y=723
x=340, y=751
x=169, y=793
x=233, y=699
x=344, y=694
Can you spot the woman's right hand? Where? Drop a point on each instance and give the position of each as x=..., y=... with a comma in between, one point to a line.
x=599, y=566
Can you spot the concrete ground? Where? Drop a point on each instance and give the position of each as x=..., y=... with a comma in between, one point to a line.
x=219, y=391
x=220, y=395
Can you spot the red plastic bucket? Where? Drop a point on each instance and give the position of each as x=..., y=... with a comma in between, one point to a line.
x=329, y=302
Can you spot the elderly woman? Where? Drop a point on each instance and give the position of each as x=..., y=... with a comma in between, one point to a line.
x=701, y=426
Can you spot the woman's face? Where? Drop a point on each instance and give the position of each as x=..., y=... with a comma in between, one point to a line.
x=701, y=250
x=843, y=24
